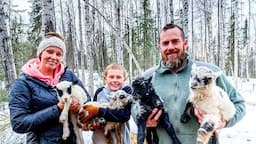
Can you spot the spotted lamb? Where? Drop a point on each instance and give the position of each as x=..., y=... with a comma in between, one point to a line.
x=118, y=100
x=66, y=90
x=209, y=98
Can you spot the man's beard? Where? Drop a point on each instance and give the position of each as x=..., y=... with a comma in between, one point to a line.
x=175, y=64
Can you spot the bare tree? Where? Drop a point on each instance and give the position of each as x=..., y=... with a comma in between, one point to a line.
x=48, y=17
x=118, y=22
x=88, y=45
x=185, y=17
x=81, y=43
x=6, y=49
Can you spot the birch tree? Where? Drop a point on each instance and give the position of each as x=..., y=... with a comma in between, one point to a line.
x=81, y=41
x=171, y=17
x=48, y=17
x=185, y=17
x=88, y=45
x=118, y=40
x=6, y=49
x=220, y=39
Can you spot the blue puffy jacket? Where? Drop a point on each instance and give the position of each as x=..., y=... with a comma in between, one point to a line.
x=33, y=110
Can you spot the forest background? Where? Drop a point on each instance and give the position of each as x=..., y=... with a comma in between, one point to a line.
x=100, y=32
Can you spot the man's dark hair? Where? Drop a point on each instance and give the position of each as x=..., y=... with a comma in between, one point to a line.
x=171, y=26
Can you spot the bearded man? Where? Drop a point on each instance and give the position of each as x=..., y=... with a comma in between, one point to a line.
x=170, y=80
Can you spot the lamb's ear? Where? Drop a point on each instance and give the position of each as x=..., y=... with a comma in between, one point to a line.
x=75, y=82
x=217, y=74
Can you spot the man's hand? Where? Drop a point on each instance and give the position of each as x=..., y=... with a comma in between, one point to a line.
x=88, y=112
x=221, y=124
x=200, y=116
x=153, y=118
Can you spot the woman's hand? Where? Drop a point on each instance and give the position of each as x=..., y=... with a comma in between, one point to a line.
x=74, y=106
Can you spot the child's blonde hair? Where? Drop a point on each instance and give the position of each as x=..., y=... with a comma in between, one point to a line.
x=116, y=67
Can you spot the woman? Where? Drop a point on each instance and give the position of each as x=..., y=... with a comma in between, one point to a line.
x=33, y=102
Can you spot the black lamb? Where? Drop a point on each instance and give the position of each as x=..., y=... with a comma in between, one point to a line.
x=148, y=100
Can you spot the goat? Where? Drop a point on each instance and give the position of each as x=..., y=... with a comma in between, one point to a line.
x=65, y=91
x=118, y=100
x=144, y=92
x=209, y=98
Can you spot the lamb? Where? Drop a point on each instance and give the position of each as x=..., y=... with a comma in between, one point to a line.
x=209, y=98
x=118, y=100
x=65, y=91
x=148, y=100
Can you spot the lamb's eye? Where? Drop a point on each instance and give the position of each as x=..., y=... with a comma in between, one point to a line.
x=60, y=93
x=122, y=96
x=69, y=90
x=206, y=80
x=197, y=79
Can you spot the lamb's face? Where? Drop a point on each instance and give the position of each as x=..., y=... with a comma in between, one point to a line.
x=201, y=78
x=64, y=90
x=121, y=97
x=144, y=91
x=141, y=88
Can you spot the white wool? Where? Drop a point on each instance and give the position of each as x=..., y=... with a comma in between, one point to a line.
x=80, y=95
x=209, y=98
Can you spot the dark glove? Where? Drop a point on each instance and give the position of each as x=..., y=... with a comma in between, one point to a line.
x=87, y=112
x=95, y=123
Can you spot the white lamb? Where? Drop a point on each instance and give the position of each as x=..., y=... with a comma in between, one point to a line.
x=209, y=98
x=118, y=100
x=66, y=90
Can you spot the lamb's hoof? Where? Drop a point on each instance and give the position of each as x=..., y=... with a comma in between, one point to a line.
x=184, y=118
x=208, y=126
x=201, y=131
x=65, y=136
x=62, y=119
x=198, y=142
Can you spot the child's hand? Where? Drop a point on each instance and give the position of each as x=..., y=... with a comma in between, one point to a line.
x=153, y=118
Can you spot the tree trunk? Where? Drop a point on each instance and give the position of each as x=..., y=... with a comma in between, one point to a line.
x=81, y=44
x=185, y=17
x=6, y=50
x=88, y=45
x=48, y=17
x=118, y=42
x=70, y=40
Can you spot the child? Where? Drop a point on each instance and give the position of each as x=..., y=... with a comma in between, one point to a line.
x=114, y=78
